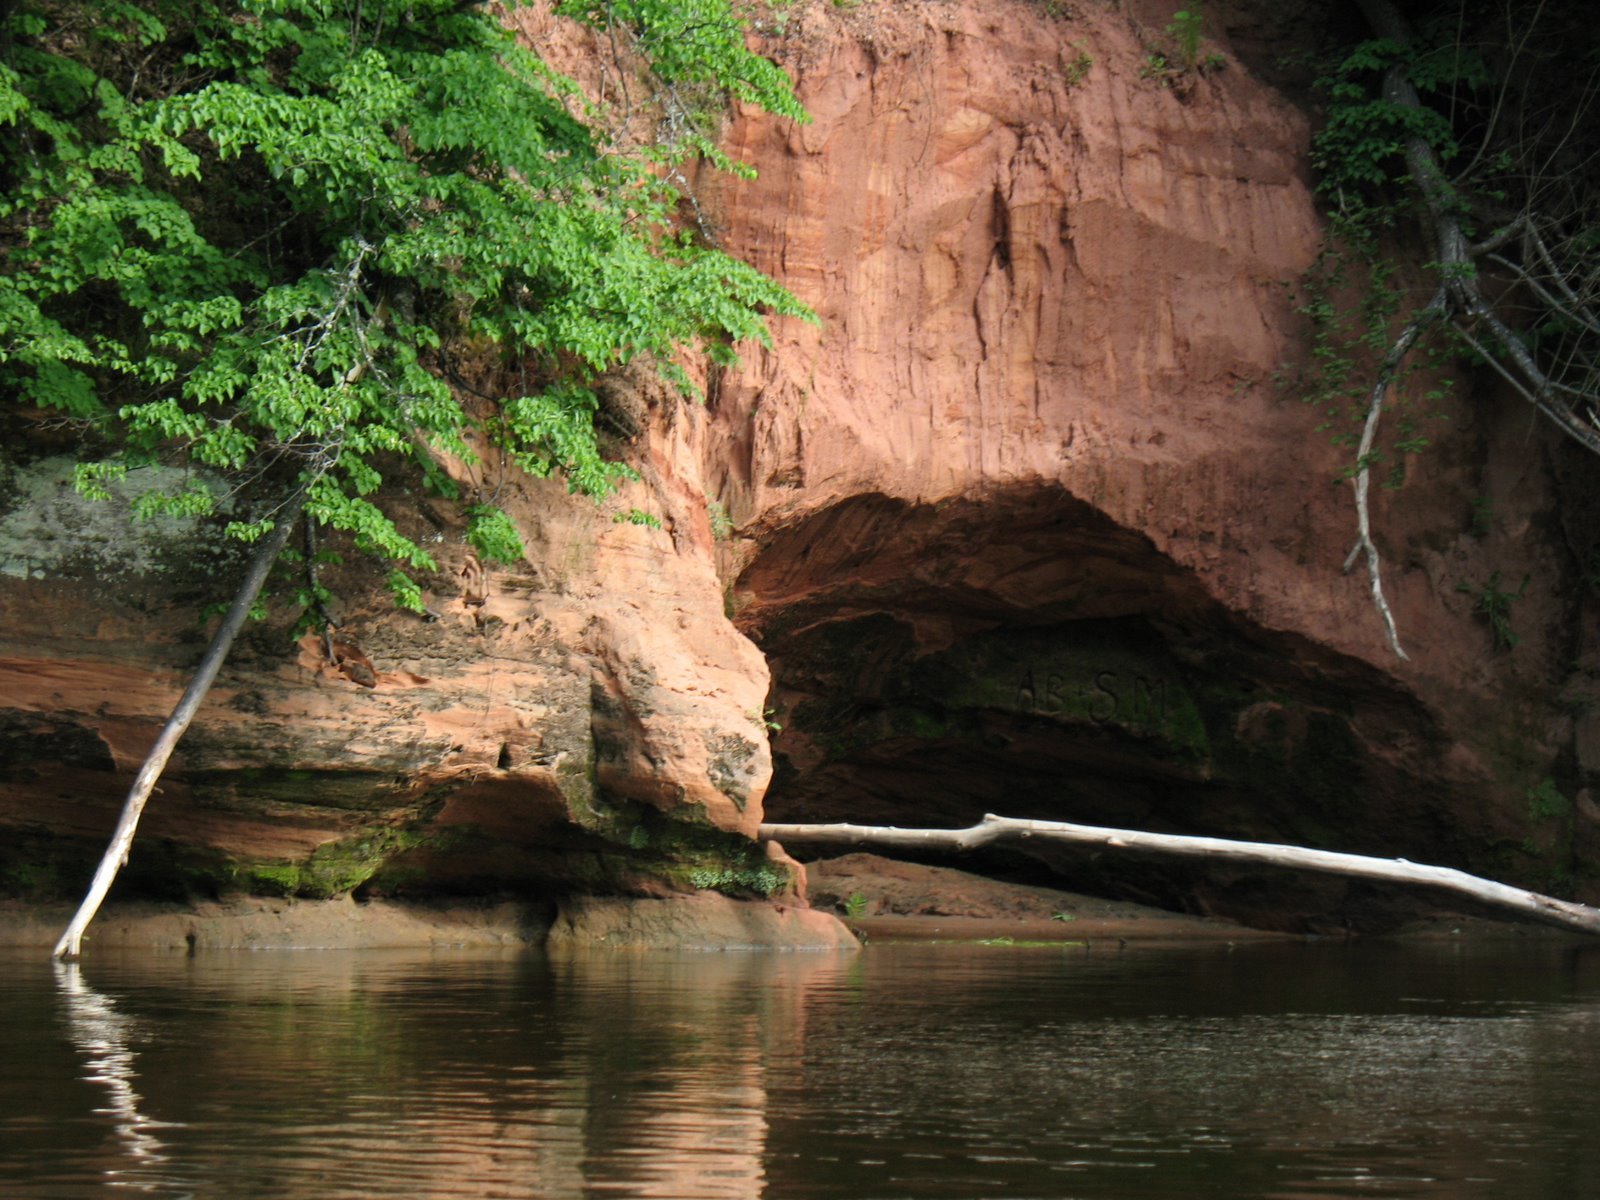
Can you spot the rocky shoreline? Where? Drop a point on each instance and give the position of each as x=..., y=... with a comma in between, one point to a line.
x=703, y=921
x=855, y=899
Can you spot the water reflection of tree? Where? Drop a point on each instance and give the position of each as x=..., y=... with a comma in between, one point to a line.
x=104, y=1037
x=311, y=1076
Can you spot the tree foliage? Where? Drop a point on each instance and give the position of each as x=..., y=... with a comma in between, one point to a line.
x=1480, y=119
x=253, y=235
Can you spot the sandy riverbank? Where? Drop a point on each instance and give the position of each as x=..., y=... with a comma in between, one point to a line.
x=886, y=899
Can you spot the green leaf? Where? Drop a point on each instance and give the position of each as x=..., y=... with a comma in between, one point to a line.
x=493, y=535
x=405, y=592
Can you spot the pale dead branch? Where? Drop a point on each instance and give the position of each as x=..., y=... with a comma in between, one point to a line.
x=993, y=830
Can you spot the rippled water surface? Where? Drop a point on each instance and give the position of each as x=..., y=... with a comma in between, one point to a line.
x=904, y=1071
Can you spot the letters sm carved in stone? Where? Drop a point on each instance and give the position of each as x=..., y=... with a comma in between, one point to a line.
x=1105, y=697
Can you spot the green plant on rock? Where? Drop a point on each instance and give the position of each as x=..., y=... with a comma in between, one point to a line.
x=491, y=533
x=1178, y=61
x=1079, y=67
x=854, y=905
x=1159, y=68
x=1546, y=803
x=721, y=524
x=1350, y=298
x=1552, y=842
x=1493, y=603
x=1164, y=70
x=637, y=516
x=1185, y=29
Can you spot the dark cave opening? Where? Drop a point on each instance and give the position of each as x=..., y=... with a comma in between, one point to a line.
x=1024, y=655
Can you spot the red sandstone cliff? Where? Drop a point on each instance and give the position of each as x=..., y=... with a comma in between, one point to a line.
x=1024, y=524
x=1056, y=297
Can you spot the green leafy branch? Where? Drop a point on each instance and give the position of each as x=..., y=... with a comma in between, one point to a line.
x=247, y=235
x=250, y=236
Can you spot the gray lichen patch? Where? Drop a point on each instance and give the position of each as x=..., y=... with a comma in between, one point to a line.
x=48, y=530
x=730, y=766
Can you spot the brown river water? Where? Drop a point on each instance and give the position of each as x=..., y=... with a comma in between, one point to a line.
x=906, y=1071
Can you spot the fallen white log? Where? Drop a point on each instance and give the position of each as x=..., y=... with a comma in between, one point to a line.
x=992, y=829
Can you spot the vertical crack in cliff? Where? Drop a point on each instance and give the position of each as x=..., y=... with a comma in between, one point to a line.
x=1000, y=230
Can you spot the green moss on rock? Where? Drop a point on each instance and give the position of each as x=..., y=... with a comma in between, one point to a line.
x=694, y=855
x=1071, y=674
x=334, y=868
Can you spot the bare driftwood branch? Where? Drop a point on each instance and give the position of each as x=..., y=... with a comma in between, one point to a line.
x=993, y=829
x=1392, y=361
x=267, y=550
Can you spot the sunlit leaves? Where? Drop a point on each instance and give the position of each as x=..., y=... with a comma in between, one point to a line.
x=491, y=533
x=248, y=232
x=694, y=41
x=405, y=591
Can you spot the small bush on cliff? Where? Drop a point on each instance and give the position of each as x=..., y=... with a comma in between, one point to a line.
x=1185, y=29
x=1493, y=603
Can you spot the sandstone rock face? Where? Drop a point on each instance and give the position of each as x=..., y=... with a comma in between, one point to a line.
x=590, y=721
x=1024, y=524
x=1027, y=524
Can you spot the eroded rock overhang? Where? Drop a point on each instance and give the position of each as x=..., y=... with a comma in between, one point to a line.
x=1021, y=653
x=1030, y=512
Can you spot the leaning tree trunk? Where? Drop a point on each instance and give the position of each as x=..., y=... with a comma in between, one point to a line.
x=1391, y=870
x=267, y=551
